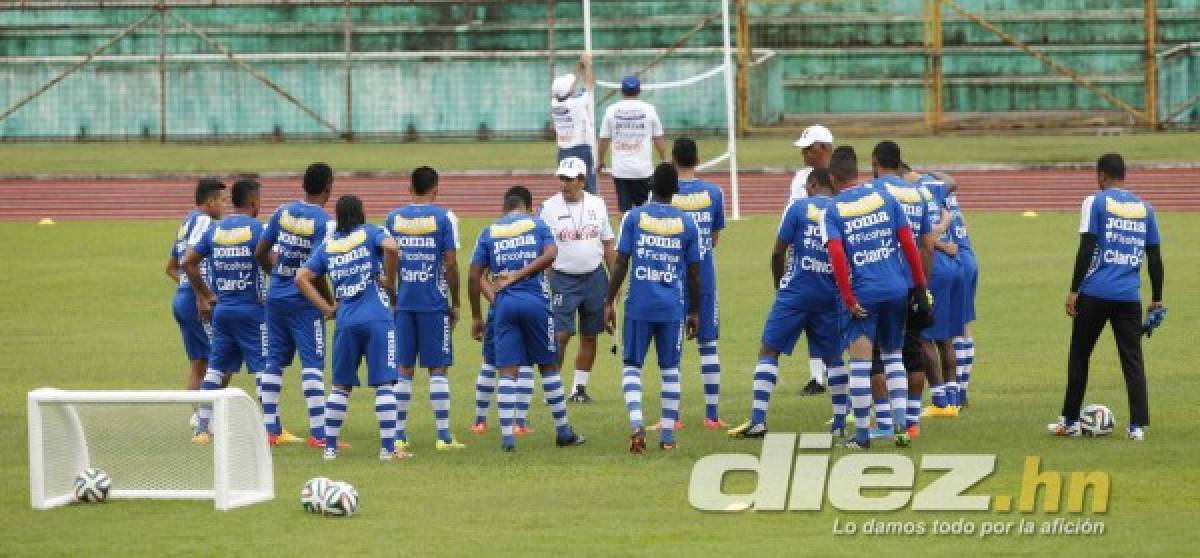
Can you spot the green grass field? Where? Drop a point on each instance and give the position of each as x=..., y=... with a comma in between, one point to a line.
x=753, y=152
x=85, y=305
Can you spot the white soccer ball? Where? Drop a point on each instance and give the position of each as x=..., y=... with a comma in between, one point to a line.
x=92, y=485
x=341, y=499
x=312, y=495
x=1096, y=420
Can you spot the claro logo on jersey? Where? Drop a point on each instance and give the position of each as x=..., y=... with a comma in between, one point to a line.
x=797, y=473
x=861, y=206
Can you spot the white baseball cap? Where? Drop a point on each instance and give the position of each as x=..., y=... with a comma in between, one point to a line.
x=561, y=88
x=571, y=167
x=814, y=134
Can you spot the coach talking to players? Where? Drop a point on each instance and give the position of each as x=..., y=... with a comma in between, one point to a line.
x=1117, y=231
x=578, y=282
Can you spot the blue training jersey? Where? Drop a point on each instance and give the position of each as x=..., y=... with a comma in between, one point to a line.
x=1124, y=226
x=424, y=233
x=660, y=241
x=353, y=260
x=916, y=201
x=509, y=245
x=705, y=202
x=958, y=227
x=194, y=225
x=295, y=229
x=229, y=245
x=808, y=282
x=866, y=220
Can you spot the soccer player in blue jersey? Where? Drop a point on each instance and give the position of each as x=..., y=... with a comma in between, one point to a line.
x=898, y=385
x=870, y=241
x=516, y=250
x=210, y=203
x=659, y=247
x=705, y=203
x=426, y=300
x=485, y=382
x=235, y=298
x=1118, y=231
x=293, y=324
x=352, y=258
x=806, y=302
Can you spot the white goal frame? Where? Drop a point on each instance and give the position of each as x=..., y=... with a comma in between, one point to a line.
x=45, y=400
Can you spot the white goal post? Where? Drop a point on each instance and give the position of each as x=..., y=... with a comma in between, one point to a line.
x=143, y=440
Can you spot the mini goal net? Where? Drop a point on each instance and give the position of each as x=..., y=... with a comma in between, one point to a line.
x=143, y=440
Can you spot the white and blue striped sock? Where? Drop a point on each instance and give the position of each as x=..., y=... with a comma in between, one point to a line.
x=860, y=398
x=313, y=384
x=765, y=376
x=270, y=384
x=524, y=394
x=506, y=404
x=485, y=386
x=403, y=391
x=710, y=374
x=914, y=409
x=839, y=379
x=439, y=398
x=212, y=381
x=335, y=413
x=897, y=386
x=385, y=413
x=883, y=414
x=969, y=362
x=631, y=385
x=670, y=404
x=556, y=400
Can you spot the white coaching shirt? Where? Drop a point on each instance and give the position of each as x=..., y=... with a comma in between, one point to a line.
x=572, y=119
x=799, y=181
x=580, y=230
x=631, y=124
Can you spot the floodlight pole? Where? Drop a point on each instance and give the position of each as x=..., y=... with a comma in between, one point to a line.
x=162, y=72
x=730, y=117
x=587, y=49
x=1151, y=89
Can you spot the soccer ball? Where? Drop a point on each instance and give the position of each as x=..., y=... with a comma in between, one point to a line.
x=1096, y=420
x=341, y=499
x=313, y=493
x=92, y=485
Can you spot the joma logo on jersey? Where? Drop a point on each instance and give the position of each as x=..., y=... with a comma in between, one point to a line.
x=866, y=221
x=415, y=242
x=816, y=214
x=904, y=194
x=692, y=202
x=512, y=229
x=297, y=225
x=511, y=243
x=239, y=235
x=1128, y=210
x=803, y=481
x=340, y=245
x=861, y=206
x=416, y=225
x=666, y=226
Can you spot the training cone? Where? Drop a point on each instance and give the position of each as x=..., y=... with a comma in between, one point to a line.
x=1029, y=214
x=46, y=221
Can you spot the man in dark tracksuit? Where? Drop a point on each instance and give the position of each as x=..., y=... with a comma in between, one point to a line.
x=1117, y=232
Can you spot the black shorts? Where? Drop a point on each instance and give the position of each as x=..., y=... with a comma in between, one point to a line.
x=912, y=353
x=631, y=192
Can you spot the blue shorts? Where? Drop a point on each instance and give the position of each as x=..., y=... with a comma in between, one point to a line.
x=424, y=334
x=946, y=285
x=883, y=326
x=970, y=270
x=489, y=337
x=824, y=330
x=579, y=295
x=375, y=340
x=294, y=325
x=668, y=342
x=239, y=334
x=710, y=318
x=197, y=335
x=583, y=152
x=524, y=332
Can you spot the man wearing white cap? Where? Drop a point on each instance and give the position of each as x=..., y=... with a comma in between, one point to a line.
x=816, y=145
x=570, y=110
x=578, y=282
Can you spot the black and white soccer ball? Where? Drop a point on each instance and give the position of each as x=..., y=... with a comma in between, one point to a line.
x=341, y=499
x=92, y=485
x=1096, y=420
x=312, y=495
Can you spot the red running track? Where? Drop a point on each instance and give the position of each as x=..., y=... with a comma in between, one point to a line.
x=113, y=198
